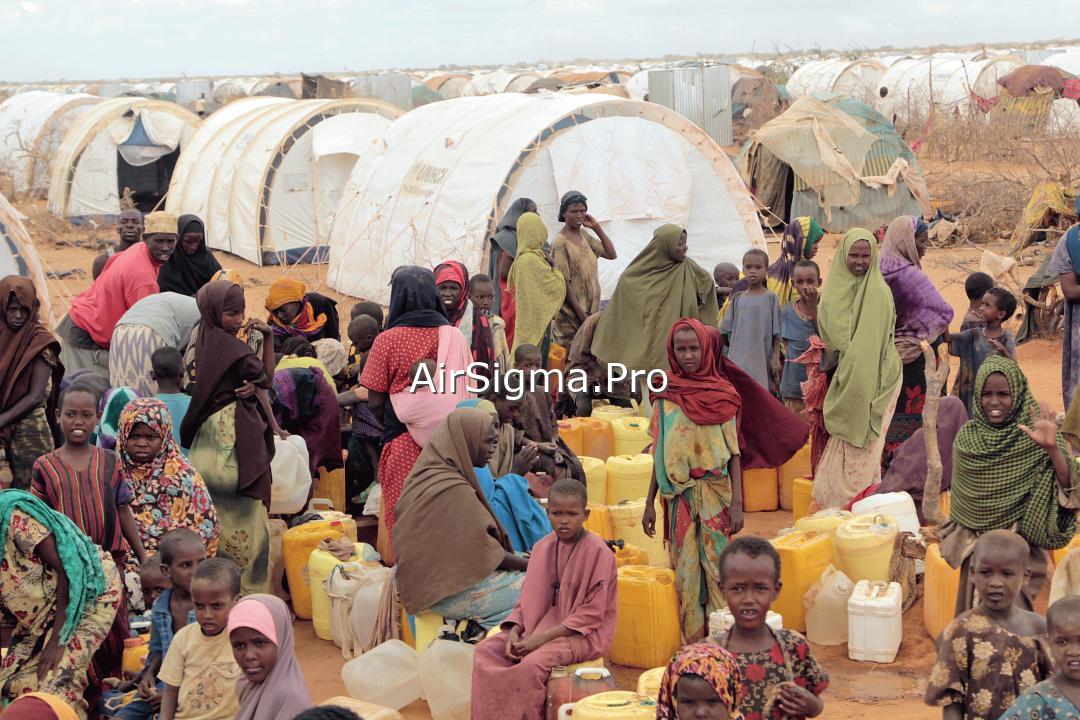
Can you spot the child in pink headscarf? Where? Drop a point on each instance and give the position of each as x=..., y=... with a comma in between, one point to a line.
x=271, y=685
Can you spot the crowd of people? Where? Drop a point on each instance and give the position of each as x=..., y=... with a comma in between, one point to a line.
x=139, y=434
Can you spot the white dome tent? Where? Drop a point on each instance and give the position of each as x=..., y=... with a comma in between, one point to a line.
x=265, y=174
x=18, y=255
x=946, y=81
x=32, y=126
x=855, y=78
x=1067, y=61
x=120, y=143
x=448, y=171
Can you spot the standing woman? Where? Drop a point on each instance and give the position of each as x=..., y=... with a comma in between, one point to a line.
x=294, y=312
x=856, y=318
x=191, y=265
x=921, y=315
x=539, y=289
x=504, y=246
x=30, y=374
x=452, y=281
x=230, y=410
x=1066, y=263
x=576, y=252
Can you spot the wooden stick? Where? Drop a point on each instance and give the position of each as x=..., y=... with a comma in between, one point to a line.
x=937, y=373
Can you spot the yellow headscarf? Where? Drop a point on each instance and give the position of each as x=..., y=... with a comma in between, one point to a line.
x=539, y=289
x=283, y=292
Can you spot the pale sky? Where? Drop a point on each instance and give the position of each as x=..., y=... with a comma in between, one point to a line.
x=103, y=39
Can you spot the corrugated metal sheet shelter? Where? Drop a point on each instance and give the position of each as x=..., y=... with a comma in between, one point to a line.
x=265, y=174
x=393, y=88
x=18, y=255
x=32, y=126
x=700, y=94
x=448, y=171
x=856, y=78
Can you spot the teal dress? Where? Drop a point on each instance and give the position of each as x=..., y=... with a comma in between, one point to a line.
x=1044, y=701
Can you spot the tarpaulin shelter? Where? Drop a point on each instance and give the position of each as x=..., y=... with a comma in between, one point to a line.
x=446, y=173
x=18, y=255
x=32, y=126
x=1050, y=206
x=1025, y=80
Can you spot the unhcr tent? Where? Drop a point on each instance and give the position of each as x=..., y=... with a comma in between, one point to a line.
x=18, y=256
x=130, y=143
x=32, y=126
x=447, y=172
x=266, y=174
x=857, y=78
x=836, y=160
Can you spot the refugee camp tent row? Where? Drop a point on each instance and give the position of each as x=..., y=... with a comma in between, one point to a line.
x=18, y=255
x=946, y=83
x=266, y=174
x=449, y=86
x=32, y=126
x=855, y=78
x=447, y=172
x=499, y=81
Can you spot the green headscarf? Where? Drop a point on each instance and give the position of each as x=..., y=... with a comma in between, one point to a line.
x=653, y=292
x=79, y=556
x=539, y=289
x=1001, y=477
x=856, y=317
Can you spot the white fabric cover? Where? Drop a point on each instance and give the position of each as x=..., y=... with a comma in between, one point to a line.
x=26, y=119
x=18, y=256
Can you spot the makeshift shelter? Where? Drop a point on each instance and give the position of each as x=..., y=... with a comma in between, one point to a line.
x=1049, y=212
x=130, y=143
x=1027, y=79
x=857, y=78
x=836, y=160
x=265, y=174
x=18, y=255
x=499, y=81
x=32, y=126
x=447, y=172
x=754, y=102
x=392, y=88
x=449, y=86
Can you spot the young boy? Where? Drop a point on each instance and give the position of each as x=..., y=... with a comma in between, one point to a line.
x=366, y=430
x=992, y=653
x=725, y=275
x=976, y=344
x=1058, y=697
x=975, y=286
x=538, y=420
x=152, y=580
x=167, y=369
x=482, y=296
x=781, y=677
x=798, y=321
x=181, y=551
x=565, y=614
x=199, y=671
x=752, y=324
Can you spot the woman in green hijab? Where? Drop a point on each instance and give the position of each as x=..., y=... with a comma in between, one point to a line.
x=661, y=285
x=538, y=288
x=856, y=318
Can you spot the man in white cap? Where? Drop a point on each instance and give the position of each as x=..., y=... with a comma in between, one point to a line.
x=85, y=332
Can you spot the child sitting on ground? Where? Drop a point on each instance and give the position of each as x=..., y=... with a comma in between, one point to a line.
x=975, y=286
x=167, y=371
x=798, y=321
x=180, y=553
x=272, y=684
x=976, y=344
x=538, y=419
x=1058, y=697
x=992, y=653
x=702, y=681
x=199, y=671
x=781, y=677
x=752, y=324
x=482, y=296
x=564, y=615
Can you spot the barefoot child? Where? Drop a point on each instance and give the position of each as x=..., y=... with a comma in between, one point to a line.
x=272, y=685
x=702, y=682
x=990, y=654
x=973, y=346
x=199, y=671
x=781, y=677
x=167, y=371
x=564, y=615
x=1058, y=697
x=753, y=323
x=798, y=321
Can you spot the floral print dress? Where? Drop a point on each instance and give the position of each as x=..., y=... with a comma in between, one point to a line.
x=1045, y=701
x=984, y=668
x=790, y=659
x=28, y=591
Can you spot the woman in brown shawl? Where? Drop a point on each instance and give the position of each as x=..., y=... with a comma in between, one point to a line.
x=29, y=355
x=230, y=410
x=454, y=558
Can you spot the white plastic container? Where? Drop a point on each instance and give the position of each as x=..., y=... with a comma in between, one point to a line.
x=446, y=679
x=363, y=709
x=389, y=675
x=826, y=606
x=874, y=621
x=291, y=476
x=898, y=504
x=722, y=620
x=354, y=590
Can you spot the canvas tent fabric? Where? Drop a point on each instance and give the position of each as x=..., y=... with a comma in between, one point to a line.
x=265, y=175
x=857, y=78
x=32, y=125
x=944, y=82
x=446, y=173
x=84, y=173
x=1067, y=61
x=18, y=255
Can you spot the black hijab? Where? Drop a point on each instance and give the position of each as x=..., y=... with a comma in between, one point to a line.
x=414, y=299
x=184, y=273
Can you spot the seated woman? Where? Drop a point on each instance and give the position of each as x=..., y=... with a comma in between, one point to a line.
x=305, y=405
x=565, y=614
x=296, y=312
x=453, y=556
x=63, y=592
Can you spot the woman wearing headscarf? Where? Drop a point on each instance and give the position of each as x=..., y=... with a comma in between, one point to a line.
x=704, y=662
x=1011, y=471
x=660, y=286
x=277, y=690
x=454, y=557
x=39, y=706
x=295, y=312
x=575, y=251
x=504, y=244
x=856, y=319
x=249, y=335
x=63, y=592
x=229, y=411
x=30, y=375
x=417, y=331
x=112, y=407
x=164, y=319
x=452, y=281
x=539, y=289
x=800, y=242
x=921, y=315
x=306, y=405
x=191, y=265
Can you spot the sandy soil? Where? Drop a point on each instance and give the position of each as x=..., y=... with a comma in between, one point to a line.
x=856, y=689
